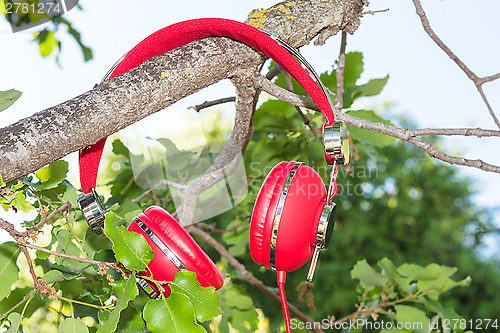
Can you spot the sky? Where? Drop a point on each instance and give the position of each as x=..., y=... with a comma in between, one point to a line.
x=424, y=83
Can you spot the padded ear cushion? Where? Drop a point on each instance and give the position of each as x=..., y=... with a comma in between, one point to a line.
x=300, y=214
x=264, y=210
x=180, y=242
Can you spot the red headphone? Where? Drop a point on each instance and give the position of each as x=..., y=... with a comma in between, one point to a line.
x=293, y=214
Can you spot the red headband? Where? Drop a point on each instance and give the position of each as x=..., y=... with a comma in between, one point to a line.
x=182, y=33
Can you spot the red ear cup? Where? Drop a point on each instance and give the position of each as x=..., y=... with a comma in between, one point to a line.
x=174, y=249
x=286, y=216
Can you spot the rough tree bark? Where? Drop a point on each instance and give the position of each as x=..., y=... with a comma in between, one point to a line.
x=48, y=135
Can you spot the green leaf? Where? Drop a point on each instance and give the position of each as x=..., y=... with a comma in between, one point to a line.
x=130, y=248
x=377, y=139
x=120, y=149
x=130, y=320
x=47, y=45
x=2, y=184
x=73, y=325
x=176, y=159
x=7, y=98
x=372, y=88
x=174, y=315
x=65, y=245
x=236, y=298
x=416, y=272
x=87, y=51
x=390, y=270
x=15, y=322
x=353, y=68
x=20, y=202
x=125, y=291
x=275, y=115
x=205, y=301
x=9, y=272
x=412, y=317
x=367, y=276
x=53, y=276
x=52, y=175
x=240, y=320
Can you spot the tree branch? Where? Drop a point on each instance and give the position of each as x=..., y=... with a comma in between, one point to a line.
x=67, y=256
x=208, y=104
x=478, y=82
x=409, y=135
x=289, y=87
x=114, y=104
x=263, y=83
x=428, y=147
x=373, y=12
x=245, y=274
x=245, y=92
x=339, y=73
x=43, y=220
x=478, y=132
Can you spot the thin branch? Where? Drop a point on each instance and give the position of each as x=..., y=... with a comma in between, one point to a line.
x=489, y=78
x=289, y=86
x=275, y=70
x=67, y=205
x=470, y=74
x=373, y=12
x=24, y=250
x=245, y=93
x=478, y=132
x=428, y=147
x=67, y=256
x=162, y=182
x=263, y=83
x=208, y=104
x=339, y=105
x=240, y=268
x=25, y=298
x=212, y=228
x=407, y=135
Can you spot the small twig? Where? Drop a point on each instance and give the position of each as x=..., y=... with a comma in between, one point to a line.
x=24, y=250
x=240, y=268
x=25, y=298
x=339, y=105
x=470, y=74
x=478, y=132
x=428, y=147
x=402, y=133
x=212, y=228
x=489, y=78
x=67, y=205
x=208, y=104
x=162, y=182
x=289, y=86
x=245, y=93
x=67, y=256
x=373, y=12
x=263, y=83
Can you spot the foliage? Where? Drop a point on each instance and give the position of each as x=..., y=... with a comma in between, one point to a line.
x=36, y=13
x=8, y=97
x=390, y=206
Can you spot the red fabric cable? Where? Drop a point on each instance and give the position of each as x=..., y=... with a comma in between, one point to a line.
x=182, y=33
x=284, y=303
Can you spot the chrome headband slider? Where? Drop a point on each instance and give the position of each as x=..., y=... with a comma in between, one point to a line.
x=336, y=143
x=93, y=211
